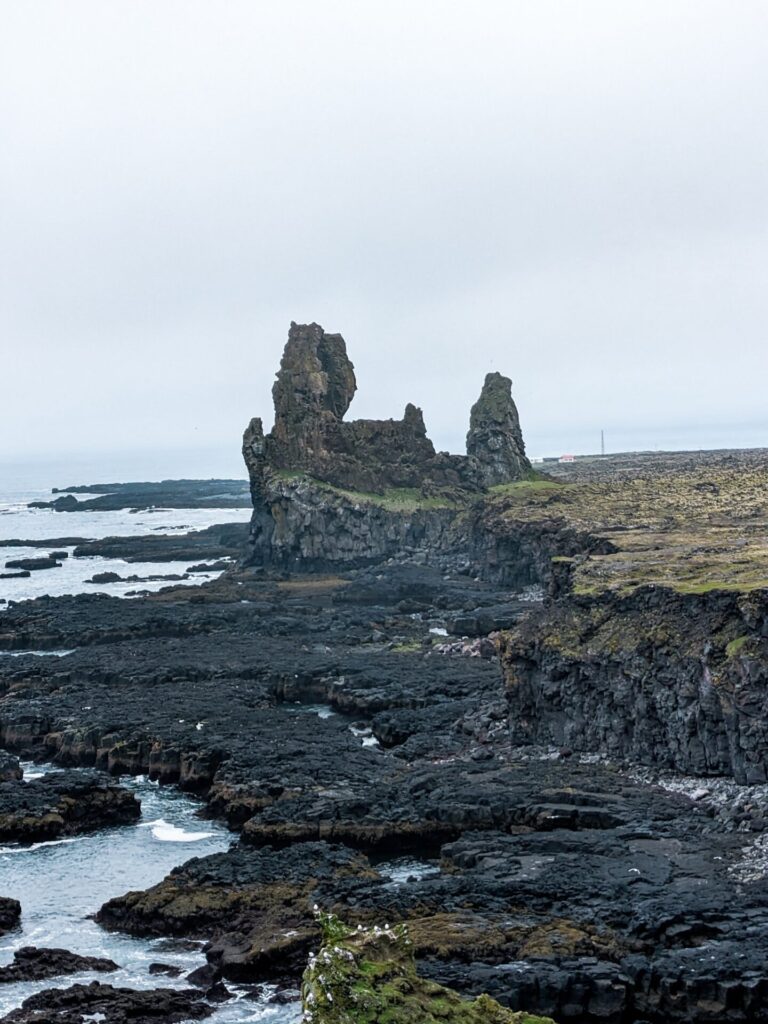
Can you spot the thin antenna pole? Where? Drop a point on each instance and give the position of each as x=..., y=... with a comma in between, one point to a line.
x=602, y=442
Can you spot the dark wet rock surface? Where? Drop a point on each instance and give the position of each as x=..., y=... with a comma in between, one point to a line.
x=62, y=803
x=33, y=964
x=115, y=1005
x=32, y=564
x=565, y=888
x=10, y=769
x=10, y=914
x=225, y=540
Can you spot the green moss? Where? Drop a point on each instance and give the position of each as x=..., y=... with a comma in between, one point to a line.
x=368, y=976
x=398, y=499
x=695, y=530
x=524, y=488
x=394, y=499
x=287, y=474
x=735, y=646
x=407, y=647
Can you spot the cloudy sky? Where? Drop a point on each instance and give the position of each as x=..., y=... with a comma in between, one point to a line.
x=573, y=193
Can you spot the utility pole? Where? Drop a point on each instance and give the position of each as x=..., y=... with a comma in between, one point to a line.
x=602, y=442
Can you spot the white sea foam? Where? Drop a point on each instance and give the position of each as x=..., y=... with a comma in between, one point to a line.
x=37, y=846
x=168, y=833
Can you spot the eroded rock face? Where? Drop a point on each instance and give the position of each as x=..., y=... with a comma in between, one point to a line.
x=687, y=671
x=363, y=459
x=313, y=391
x=494, y=437
x=314, y=388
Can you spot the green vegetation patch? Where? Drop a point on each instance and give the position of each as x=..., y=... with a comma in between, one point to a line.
x=696, y=530
x=735, y=646
x=406, y=647
x=368, y=976
x=398, y=499
x=394, y=499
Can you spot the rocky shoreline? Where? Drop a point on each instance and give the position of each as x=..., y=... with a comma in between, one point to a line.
x=606, y=894
x=489, y=674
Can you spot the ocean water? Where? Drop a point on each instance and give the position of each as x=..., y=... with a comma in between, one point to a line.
x=17, y=521
x=59, y=884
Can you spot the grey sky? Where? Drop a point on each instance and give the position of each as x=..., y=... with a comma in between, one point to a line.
x=573, y=193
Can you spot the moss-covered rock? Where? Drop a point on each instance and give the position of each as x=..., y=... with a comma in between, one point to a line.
x=368, y=976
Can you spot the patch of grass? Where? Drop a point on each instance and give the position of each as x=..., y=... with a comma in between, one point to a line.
x=524, y=488
x=407, y=647
x=394, y=499
x=397, y=499
x=735, y=646
x=695, y=530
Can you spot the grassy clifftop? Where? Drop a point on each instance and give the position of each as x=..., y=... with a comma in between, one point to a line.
x=695, y=523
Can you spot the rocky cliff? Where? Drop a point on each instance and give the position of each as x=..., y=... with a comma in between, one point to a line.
x=675, y=680
x=653, y=644
x=327, y=492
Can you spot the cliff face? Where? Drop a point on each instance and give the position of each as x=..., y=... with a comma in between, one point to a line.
x=655, y=677
x=363, y=463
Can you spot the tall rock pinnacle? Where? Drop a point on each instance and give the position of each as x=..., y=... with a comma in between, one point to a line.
x=314, y=388
x=495, y=439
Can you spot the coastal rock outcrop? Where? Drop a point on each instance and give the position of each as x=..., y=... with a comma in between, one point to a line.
x=97, y=1002
x=33, y=964
x=495, y=439
x=61, y=804
x=389, y=467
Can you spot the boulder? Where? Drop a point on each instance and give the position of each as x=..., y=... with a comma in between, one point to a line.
x=33, y=964
x=10, y=914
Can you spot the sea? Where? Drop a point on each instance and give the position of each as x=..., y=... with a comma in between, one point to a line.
x=62, y=884
x=19, y=522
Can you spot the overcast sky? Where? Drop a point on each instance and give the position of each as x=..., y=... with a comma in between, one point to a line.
x=573, y=193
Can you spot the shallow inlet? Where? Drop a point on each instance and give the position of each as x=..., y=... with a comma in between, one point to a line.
x=59, y=884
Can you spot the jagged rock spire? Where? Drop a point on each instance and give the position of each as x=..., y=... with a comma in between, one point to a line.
x=495, y=439
x=314, y=388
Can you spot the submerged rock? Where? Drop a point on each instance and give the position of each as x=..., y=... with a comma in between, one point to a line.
x=369, y=975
